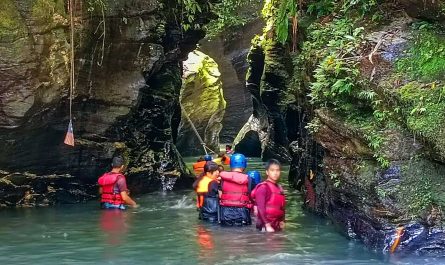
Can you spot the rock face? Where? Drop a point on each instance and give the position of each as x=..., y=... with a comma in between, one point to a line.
x=267, y=82
x=203, y=100
x=230, y=50
x=367, y=131
x=128, y=80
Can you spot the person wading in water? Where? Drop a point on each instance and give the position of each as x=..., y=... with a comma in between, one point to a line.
x=269, y=200
x=207, y=193
x=234, y=197
x=113, y=187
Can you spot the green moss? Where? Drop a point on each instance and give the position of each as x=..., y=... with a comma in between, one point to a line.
x=421, y=186
x=424, y=111
x=44, y=10
x=425, y=58
x=11, y=23
x=201, y=95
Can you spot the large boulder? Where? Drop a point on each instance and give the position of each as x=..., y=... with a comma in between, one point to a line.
x=266, y=81
x=230, y=49
x=370, y=152
x=203, y=102
x=128, y=80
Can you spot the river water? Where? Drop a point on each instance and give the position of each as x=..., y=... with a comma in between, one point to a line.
x=166, y=230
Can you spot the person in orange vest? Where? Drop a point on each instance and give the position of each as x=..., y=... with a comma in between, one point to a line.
x=222, y=159
x=269, y=200
x=198, y=167
x=113, y=189
x=235, y=201
x=207, y=188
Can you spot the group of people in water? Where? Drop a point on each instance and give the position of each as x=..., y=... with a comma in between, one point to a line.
x=232, y=197
x=229, y=198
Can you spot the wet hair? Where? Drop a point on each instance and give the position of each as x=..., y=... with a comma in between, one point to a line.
x=228, y=146
x=117, y=161
x=272, y=162
x=200, y=159
x=220, y=168
x=210, y=167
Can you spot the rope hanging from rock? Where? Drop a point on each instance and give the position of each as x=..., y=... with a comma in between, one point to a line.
x=204, y=146
x=69, y=137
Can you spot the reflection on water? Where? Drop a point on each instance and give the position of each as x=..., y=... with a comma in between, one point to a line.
x=114, y=225
x=166, y=230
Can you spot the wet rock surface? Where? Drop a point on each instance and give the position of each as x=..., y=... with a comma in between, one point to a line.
x=230, y=50
x=203, y=100
x=128, y=80
x=396, y=207
x=29, y=190
x=267, y=82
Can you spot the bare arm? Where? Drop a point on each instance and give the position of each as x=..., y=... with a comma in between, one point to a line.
x=128, y=200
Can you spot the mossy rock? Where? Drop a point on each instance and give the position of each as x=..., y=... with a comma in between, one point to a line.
x=423, y=107
x=203, y=101
x=12, y=26
x=425, y=58
x=48, y=13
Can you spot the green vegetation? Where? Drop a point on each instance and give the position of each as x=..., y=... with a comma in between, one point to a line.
x=278, y=15
x=231, y=14
x=424, y=109
x=322, y=8
x=11, y=24
x=425, y=59
x=190, y=10
x=43, y=10
x=96, y=6
x=421, y=187
x=331, y=53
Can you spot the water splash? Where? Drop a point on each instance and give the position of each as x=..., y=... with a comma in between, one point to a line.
x=167, y=182
x=184, y=203
x=351, y=233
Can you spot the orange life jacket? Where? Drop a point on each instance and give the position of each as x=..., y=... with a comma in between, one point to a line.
x=202, y=189
x=276, y=204
x=198, y=167
x=107, y=181
x=227, y=160
x=235, y=190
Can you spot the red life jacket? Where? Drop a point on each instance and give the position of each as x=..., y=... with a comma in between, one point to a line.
x=235, y=189
x=276, y=204
x=107, y=182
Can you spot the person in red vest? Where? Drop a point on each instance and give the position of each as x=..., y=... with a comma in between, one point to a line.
x=234, y=197
x=269, y=200
x=113, y=189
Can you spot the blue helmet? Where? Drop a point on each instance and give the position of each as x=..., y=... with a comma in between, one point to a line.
x=208, y=158
x=238, y=161
x=255, y=176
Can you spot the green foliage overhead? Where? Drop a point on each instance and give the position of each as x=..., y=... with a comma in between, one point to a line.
x=190, y=10
x=322, y=8
x=277, y=14
x=287, y=10
x=232, y=13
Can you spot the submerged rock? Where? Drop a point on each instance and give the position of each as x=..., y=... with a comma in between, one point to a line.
x=29, y=190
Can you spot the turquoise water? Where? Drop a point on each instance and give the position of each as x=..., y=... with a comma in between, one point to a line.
x=165, y=230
